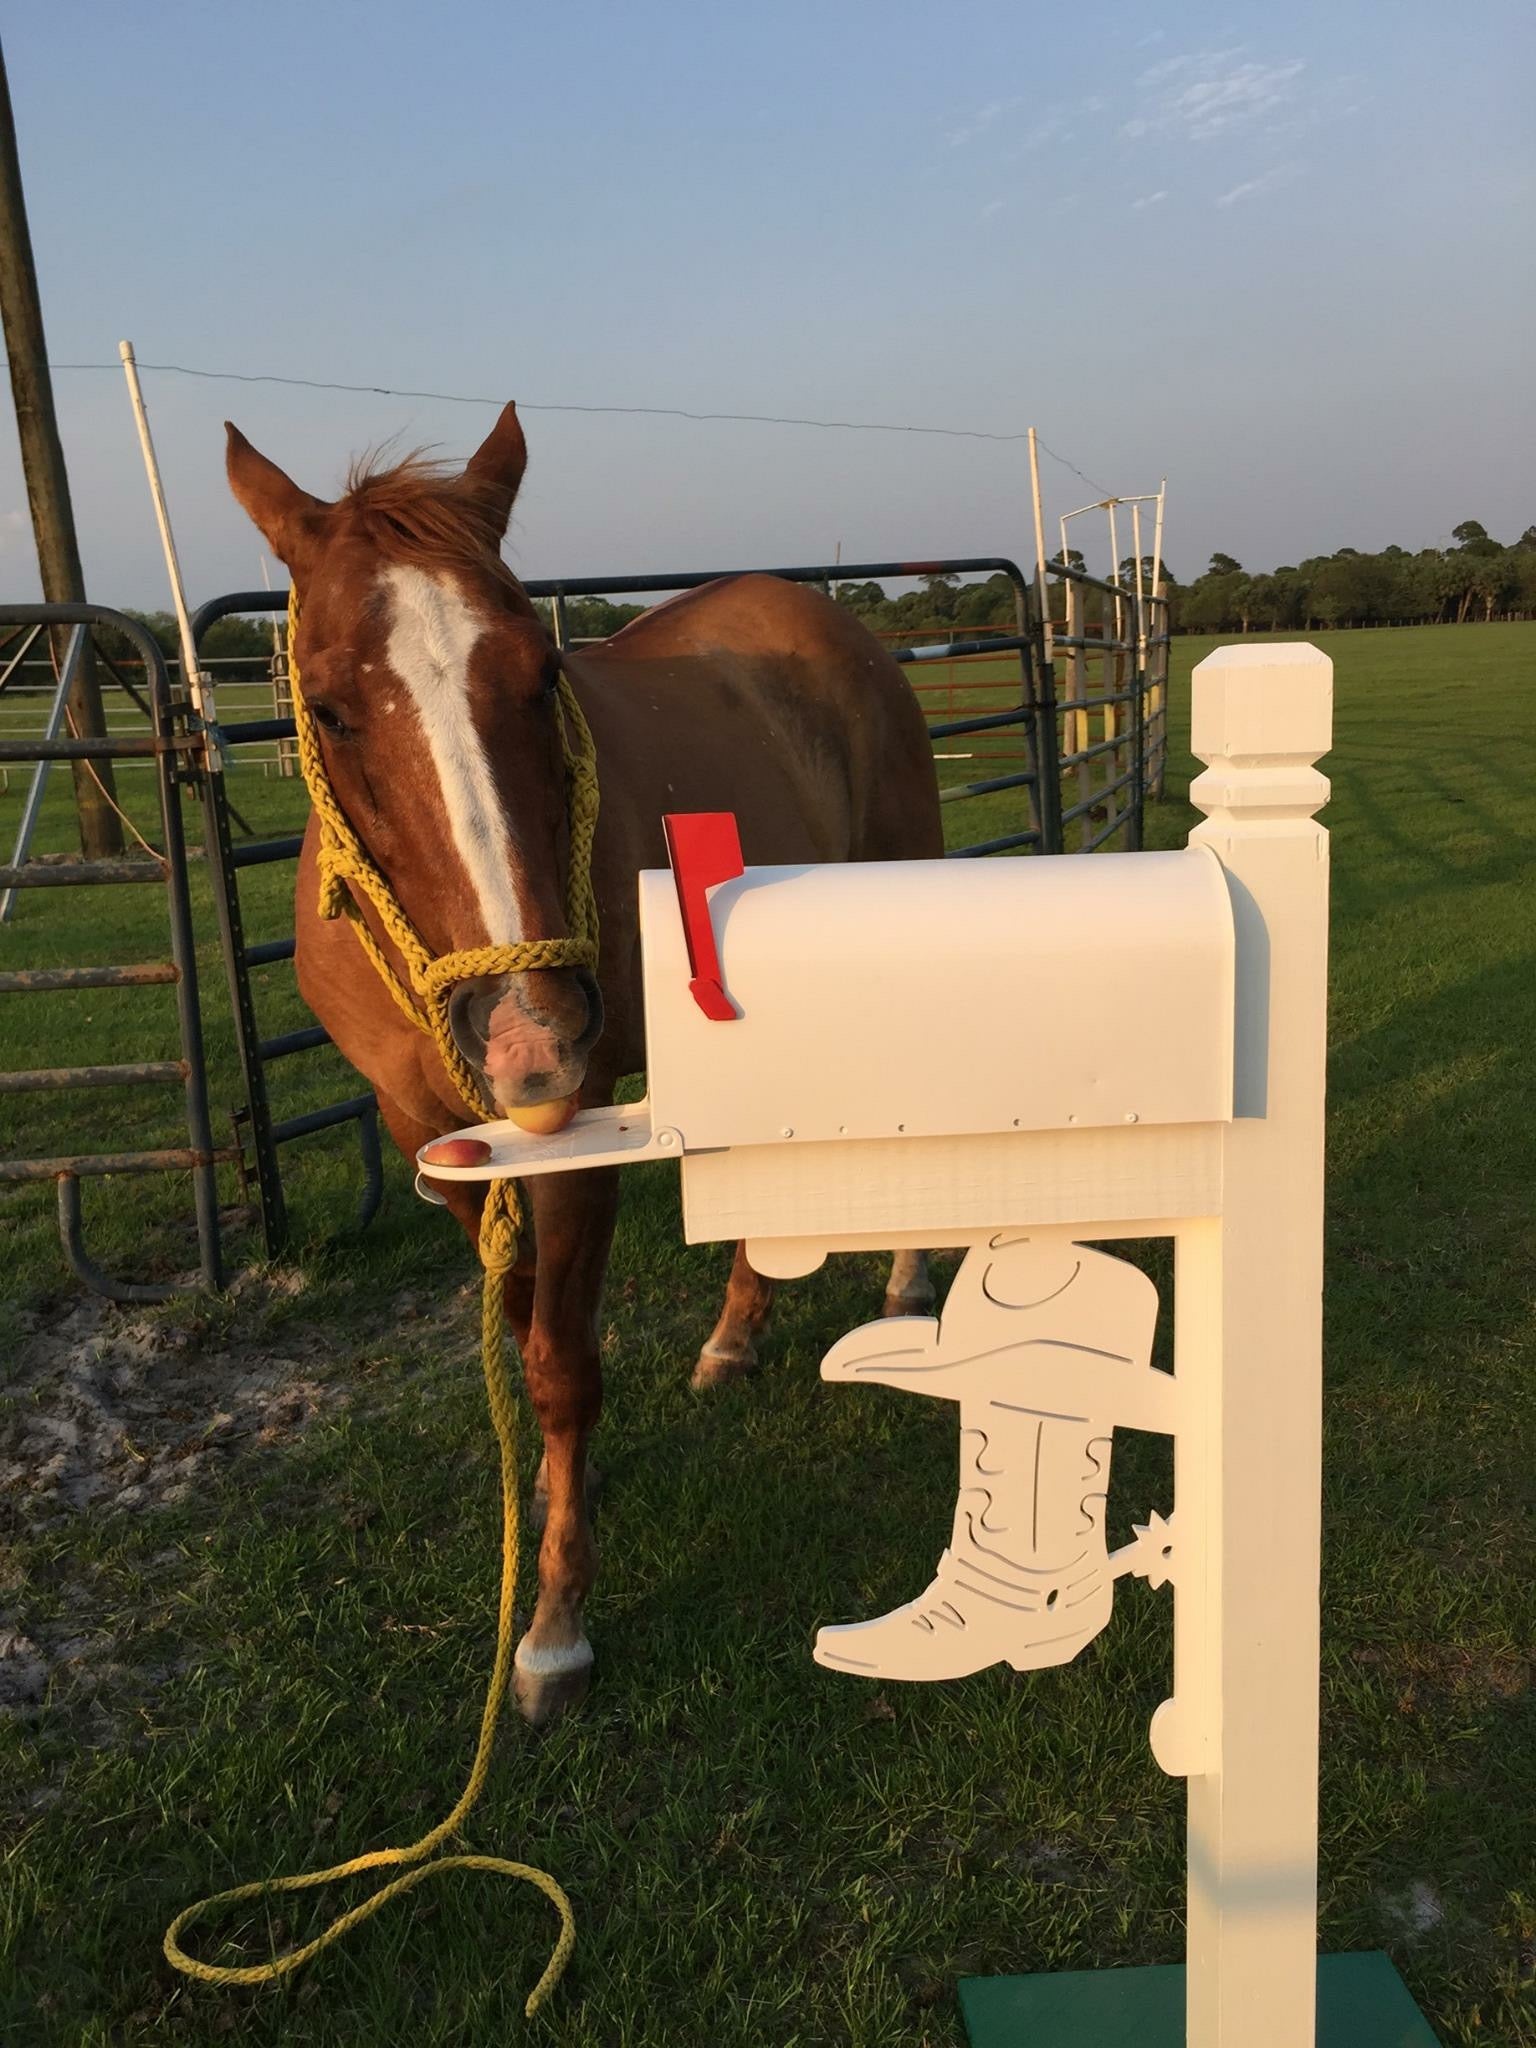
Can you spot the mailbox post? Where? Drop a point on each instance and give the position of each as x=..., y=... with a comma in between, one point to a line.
x=1252, y=1354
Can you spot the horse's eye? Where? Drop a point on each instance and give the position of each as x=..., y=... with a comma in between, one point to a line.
x=328, y=720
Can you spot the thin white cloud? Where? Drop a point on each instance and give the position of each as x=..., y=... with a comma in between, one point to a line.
x=1041, y=134
x=1057, y=125
x=992, y=206
x=1252, y=188
x=1148, y=199
x=1209, y=94
x=979, y=122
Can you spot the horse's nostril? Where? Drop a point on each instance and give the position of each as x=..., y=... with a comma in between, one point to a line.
x=469, y=1017
x=593, y=1030
x=534, y=1082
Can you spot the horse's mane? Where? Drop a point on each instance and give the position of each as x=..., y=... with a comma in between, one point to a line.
x=425, y=512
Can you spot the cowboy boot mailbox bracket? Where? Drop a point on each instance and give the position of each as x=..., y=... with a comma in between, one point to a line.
x=1045, y=1347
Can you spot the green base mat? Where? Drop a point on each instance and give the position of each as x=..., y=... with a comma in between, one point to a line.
x=1361, y=2003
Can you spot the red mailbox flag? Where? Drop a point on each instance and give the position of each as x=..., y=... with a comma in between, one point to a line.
x=704, y=848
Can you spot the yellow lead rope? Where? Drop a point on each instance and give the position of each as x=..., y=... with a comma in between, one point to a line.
x=346, y=872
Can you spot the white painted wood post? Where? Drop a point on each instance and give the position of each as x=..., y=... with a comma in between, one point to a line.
x=1251, y=1287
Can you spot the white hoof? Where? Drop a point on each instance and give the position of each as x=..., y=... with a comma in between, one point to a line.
x=548, y=1680
x=553, y=1660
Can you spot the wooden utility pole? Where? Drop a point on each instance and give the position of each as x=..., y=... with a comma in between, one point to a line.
x=42, y=459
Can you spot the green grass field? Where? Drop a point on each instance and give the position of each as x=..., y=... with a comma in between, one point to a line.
x=284, y=1665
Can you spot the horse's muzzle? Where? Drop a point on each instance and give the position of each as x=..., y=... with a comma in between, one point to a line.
x=528, y=1035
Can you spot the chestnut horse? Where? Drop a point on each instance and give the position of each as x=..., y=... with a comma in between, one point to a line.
x=431, y=679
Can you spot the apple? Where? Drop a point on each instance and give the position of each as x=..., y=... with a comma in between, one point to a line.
x=543, y=1119
x=456, y=1152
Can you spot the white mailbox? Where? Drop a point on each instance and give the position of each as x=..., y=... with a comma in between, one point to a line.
x=935, y=999
x=915, y=1043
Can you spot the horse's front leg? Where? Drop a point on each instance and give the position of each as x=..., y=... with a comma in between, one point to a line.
x=573, y=1218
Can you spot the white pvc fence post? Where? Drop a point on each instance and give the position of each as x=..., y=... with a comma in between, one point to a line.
x=1250, y=1289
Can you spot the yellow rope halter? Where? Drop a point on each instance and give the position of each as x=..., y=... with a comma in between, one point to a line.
x=346, y=875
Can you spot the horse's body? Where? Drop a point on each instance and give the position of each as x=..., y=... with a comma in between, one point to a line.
x=750, y=695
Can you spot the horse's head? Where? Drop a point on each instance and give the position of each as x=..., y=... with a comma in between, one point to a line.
x=432, y=684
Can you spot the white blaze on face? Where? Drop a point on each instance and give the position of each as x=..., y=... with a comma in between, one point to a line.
x=432, y=633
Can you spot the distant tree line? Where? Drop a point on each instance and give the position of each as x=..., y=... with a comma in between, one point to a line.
x=590, y=618
x=937, y=601
x=1479, y=578
x=235, y=640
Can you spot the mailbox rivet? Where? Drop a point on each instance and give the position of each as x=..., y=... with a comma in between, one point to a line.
x=1017, y=1122
x=901, y=1127
x=663, y=1137
x=1073, y=1118
x=1131, y=1117
x=787, y=1132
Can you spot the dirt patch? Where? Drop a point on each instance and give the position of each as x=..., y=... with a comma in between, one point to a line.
x=113, y=1412
x=107, y=1409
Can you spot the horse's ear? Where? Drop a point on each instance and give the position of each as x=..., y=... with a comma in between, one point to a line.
x=290, y=518
x=497, y=466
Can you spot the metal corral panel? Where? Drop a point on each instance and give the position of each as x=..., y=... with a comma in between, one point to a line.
x=928, y=998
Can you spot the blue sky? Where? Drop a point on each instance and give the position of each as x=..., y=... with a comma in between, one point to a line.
x=1282, y=256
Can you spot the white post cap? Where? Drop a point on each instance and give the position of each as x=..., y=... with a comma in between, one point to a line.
x=1260, y=715
x=1263, y=701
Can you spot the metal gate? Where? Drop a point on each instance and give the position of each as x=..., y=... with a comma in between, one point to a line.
x=1113, y=646
x=228, y=858
x=174, y=750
